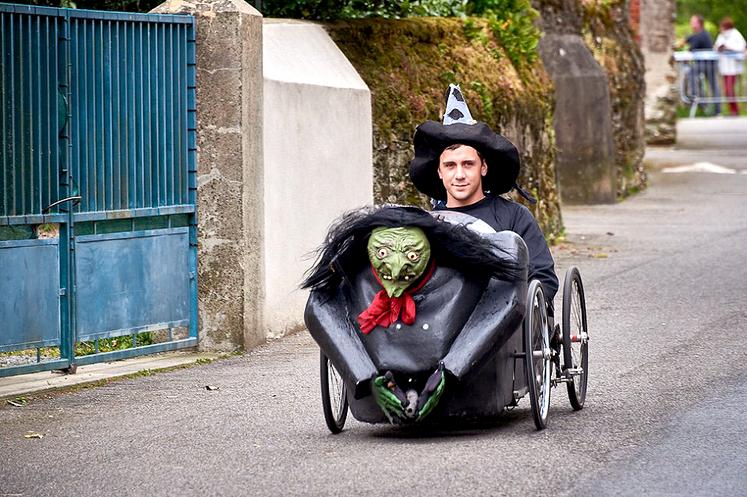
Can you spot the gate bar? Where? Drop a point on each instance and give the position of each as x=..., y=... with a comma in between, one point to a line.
x=34, y=368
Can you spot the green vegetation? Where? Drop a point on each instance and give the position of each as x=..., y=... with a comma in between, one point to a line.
x=87, y=348
x=682, y=29
x=713, y=11
x=392, y=9
x=356, y=9
x=112, y=344
x=407, y=64
x=22, y=232
x=683, y=110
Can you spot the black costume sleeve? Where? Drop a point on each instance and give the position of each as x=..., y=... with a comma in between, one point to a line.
x=496, y=316
x=541, y=264
x=326, y=319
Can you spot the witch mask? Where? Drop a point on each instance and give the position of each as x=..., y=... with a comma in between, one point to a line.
x=399, y=257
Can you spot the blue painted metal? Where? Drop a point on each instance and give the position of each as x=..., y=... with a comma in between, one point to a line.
x=132, y=281
x=67, y=243
x=129, y=80
x=30, y=304
x=101, y=105
x=35, y=368
x=98, y=216
x=129, y=113
x=29, y=121
x=190, y=138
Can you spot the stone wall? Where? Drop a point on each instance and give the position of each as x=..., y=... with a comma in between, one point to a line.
x=657, y=38
x=607, y=31
x=605, y=27
x=317, y=152
x=408, y=65
x=585, y=160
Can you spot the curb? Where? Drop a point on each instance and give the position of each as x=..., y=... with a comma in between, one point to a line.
x=32, y=383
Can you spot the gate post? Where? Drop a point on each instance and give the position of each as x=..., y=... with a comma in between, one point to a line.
x=230, y=170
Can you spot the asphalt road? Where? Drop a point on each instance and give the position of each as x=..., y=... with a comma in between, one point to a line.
x=666, y=281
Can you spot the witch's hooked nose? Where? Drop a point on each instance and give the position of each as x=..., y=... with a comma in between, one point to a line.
x=397, y=264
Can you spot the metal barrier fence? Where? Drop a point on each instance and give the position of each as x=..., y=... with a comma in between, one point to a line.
x=98, y=145
x=709, y=80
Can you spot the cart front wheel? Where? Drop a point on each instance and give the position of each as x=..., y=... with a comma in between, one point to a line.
x=334, y=395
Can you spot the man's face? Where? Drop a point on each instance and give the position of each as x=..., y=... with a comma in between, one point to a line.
x=461, y=171
x=695, y=24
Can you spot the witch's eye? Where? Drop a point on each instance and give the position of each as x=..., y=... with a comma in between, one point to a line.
x=413, y=256
x=382, y=252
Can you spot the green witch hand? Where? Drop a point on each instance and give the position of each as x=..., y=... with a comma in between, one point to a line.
x=431, y=395
x=387, y=400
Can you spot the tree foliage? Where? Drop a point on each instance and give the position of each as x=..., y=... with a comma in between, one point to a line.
x=713, y=11
x=512, y=21
x=391, y=9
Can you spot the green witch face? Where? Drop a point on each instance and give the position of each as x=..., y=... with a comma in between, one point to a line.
x=399, y=256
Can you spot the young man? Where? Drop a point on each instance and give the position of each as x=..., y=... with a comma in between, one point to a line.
x=466, y=167
x=700, y=40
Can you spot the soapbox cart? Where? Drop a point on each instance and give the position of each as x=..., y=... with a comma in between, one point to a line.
x=494, y=338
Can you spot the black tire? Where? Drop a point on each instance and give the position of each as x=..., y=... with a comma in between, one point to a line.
x=334, y=395
x=537, y=353
x=575, y=338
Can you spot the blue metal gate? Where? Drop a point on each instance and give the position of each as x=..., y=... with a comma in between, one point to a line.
x=98, y=186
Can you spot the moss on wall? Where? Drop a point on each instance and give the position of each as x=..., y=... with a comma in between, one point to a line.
x=607, y=31
x=408, y=65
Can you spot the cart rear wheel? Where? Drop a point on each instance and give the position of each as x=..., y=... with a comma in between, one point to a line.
x=334, y=395
x=575, y=338
x=538, y=354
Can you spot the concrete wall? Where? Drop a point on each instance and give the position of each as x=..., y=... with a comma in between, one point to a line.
x=317, y=156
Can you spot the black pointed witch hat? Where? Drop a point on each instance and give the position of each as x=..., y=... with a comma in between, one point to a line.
x=431, y=138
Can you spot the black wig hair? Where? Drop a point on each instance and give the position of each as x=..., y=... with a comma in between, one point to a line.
x=344, y=251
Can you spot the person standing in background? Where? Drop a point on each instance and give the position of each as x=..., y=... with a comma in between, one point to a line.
x=700, y=40
x=730, y=43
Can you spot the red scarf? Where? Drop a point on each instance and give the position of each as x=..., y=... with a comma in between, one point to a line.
x=384, y=310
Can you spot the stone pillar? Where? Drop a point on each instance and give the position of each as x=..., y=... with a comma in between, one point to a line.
x=657, y=38
x=230, y=170
x=585, y=161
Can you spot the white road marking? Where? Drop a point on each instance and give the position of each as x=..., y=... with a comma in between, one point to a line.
x=701, y=167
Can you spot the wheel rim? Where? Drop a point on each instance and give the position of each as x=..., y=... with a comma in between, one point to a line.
x=578, y=348
x=538, y=355
x=336, y=391
x=543, y=364
x=575, y=339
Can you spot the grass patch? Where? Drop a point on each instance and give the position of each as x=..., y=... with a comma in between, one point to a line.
x=89, y=347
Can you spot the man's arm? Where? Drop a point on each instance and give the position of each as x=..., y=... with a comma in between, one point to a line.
x=541, y=264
